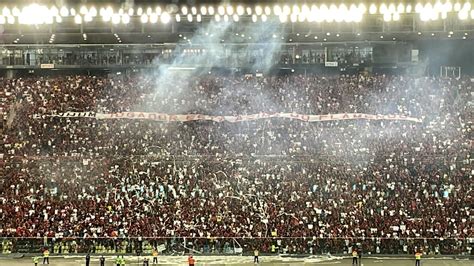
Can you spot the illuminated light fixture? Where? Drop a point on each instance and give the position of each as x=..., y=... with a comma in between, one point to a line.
x=383, y=8
x=465, y=33
x=258, y=10
x=190, y=18
x=448, y=7
x=130, y=11
x=293, y=18
x=408, y=8
x=93, y=12
x=72, y=12
x=432, y=34
x=115, y=19
x=315, y=37
x=149, y=11
x=198, y=18
x=106, y=18
x=221, y=10
x=457, y=7
x=418, y=8
x=467, y=6
x=387, y=17
x=84, y=36
x=235, y=17
x=184, y=10
x=396, y=17
x=240, y=10
x=165, y=18
x=194, y=10
x=286, y=10
x=394, y=38
x=144, y=18
x=203, y=10
x=211, y=10
x=125, y=19
x=472, y=14
x=283, y=18
x=153, y=18
x=337, y=35
x=419, y=33
x=217, y=18
x=362, y=8
x=178, y=18
x=77, y=19
x=249, y=11
x=64, y=12
x=296, y=9
x=121, y=11
x=381, y=36
x=87, y=18
x=277, y=10
x=264, y=18
x=268, y=11
x=83, y=10
x=230, y=10
x=444, y=15
x=464, y=37
x=11, y=19
x=254, y=18
x=6, y=11
x=139, y=11
x=53, y=11
x=226, y=18
x=400, y=8
x=463, y=15
x=391, y=8
x=449, y=36
x=372, y=9
x=328, y=34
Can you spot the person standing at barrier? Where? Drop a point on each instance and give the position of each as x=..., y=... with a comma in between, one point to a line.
x=191, y=260
x=255, y=256
x=88, y=259
x=102, y=260
x=155, y=256
x=418, y=258
x=355, y=257
x=36, y=260
x=146, y=262
x=46, y=256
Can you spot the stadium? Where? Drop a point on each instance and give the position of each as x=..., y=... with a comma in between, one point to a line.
x=236, y=132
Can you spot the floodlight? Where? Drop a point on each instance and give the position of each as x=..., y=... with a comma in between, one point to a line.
x=158, y=10
x=467, y=6
x=16, y=11
x=258, y=10
x=235, y=17
x=217, y=17
x=2, y=20
x=165, y=18
x=144, y=18
x=408, y=8
x=463, y=15
x=396, y=16
x=78, y=19
x=400, y=8
x=115, y=19
x=6, y=11
x=211, y=10
x=149, y=11
x=268, y=11
x=264, y=18
x=140, y=11
x=83, y=10
x=64, y=12
x=372, y=9
x=230, y=10
x=190, y=18
x=387, y=17
x=153, y=18
x=87, y=18
x=254, y=18
x=177, y=18
x=193, y=10
x=283, y=18
x=418, y=8
x=286, y=10
x=198, y=18
x=11, y=20
x=277, y=10
x=221, y=10
x=130, y=11
x=226, y=18
x=383, y=8
x=125, y=19
x=457, y=7
x=203, y=10
x=93, y=12
x=249, y=11
x=184, y=10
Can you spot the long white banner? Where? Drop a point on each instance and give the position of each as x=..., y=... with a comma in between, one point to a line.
x=192, y=117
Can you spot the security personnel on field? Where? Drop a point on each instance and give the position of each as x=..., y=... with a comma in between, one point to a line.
x=191, y=260
x=36, y=260
x=102, y=260
x=255, y=256
x=155, y=256
x=418, y=258
x=46, y=256
x=355, y=257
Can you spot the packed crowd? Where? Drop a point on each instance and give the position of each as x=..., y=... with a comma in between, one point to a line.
x=275, y=178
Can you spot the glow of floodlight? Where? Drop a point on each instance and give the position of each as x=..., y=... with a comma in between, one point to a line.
x=6, y=11
x=121, y=11
x=448, y=7
x=221, y=10
x=211, y=10
x=396, y=16
x=472, y=14
x=177, y=17
x=125, y=19
x=408, y=8
x=463, y=15
x=467, y=6
x=264, y=18
x=203, y=10
x=64, y=12
x=87, y=18
x=198, y=18
x=184, y=10
x=153, y=18
x=217, y=17
x=190, y=18
x=283, y=18
x=383, y=8
x=392, y=8
x=457, y=7
x=293, y=18
x=11, y=20
x=83, y=10
x=2, y=20
x=249, y=11
x=226, y=18
x=115, y=19
x=418, y=8
x=72, y=12
x=93, y=12
x=144, y=18
x=258, y=10
x=254, y=18
x=362, y=8
x=193, y=10
x=387, y=17
x=240, y=10
x=235, y=17
x=372, y=9
x=78, y=19
x=268, y=11
x=230, y=10
x=16, y=11
x=158, y=10
x=130, y=11
x=140, y=11
x=400, y=8
x=59, y=19
x=149, y=11
x=109, y=11
x=434, y=15
x=165, y=18
x=277, y=10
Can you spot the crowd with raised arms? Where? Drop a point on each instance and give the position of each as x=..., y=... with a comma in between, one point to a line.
x=271, y=180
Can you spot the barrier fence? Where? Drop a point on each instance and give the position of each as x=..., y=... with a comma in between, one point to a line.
x=229, y=245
